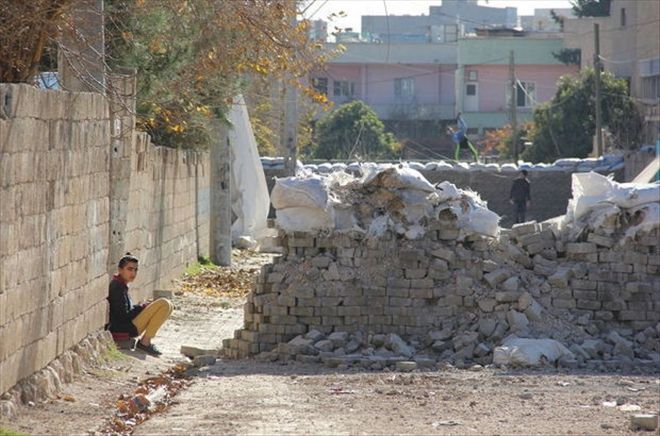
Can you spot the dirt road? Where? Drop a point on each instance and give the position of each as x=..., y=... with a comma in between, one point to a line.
x=250, y=397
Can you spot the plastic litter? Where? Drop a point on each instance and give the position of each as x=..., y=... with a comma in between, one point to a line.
x=517, y=351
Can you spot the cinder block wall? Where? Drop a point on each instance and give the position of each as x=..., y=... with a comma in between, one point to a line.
x=350, y=282
x=167, y=189
x=55, y=195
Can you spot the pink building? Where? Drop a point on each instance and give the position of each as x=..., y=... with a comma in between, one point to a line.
x=483, y=77
x=400, y=81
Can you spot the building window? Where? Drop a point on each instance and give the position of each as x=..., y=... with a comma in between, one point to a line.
x=343, y=88
x=404, y=87
x=525, y=94
x=472, y=76
x=471, y=89
x=623, y=17
x=321, y=84
x=651, y=88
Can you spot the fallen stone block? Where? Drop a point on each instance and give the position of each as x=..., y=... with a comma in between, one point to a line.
x=406, y=366
x=517, y=321
x=378, y=340
x=444, y=254
x=204, y=360
x=511, y=284
x=482, y=350
x=487, y=326
x=534, y=311
x=522, y=229
x=581, y=248
x=592, y=347
x=602, y=241
x=645, y=421
x=487, y=304
x=507, y=297
x=324, y=345
x=560, y=278
x=314, y=335
x=440, y=346
x=338, y=339
x=496, y=277
x=192, y=352
x=425, y=362
x=398, y=345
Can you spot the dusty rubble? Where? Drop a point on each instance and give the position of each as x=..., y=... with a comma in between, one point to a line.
x=393, y=259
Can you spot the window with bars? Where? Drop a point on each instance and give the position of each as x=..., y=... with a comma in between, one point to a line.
x=404, y=87
x=343, y=88
x=525, y=94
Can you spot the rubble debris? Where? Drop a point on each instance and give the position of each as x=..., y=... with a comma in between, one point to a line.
x=399, y=276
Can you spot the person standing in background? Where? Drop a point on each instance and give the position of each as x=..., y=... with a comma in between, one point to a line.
x=520, y=196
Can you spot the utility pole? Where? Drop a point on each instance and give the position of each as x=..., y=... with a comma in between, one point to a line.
x=220, y=225
x=599, y=120
x=290, y=110
x=514, y=115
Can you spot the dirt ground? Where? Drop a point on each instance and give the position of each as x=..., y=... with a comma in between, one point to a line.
x=254, y=397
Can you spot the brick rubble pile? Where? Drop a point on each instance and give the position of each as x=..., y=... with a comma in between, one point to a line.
x=585, y=295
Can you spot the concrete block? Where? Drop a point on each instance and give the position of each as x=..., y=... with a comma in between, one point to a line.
x=599, y=240
x=496, y=277
x=581, y=248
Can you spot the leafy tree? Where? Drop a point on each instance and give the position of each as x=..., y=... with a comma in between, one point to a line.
x=564, y=126
x=29, y=29
x=193, y=56
x=569, y=56
x=591, y=8
x=353, y=130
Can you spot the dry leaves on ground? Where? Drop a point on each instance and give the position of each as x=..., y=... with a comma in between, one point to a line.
x=220, y=282
x=153, y=395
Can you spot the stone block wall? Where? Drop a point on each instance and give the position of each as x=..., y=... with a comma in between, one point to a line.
x=346, y=282
x=167, y=189
x=61, y=166
x=53, y=224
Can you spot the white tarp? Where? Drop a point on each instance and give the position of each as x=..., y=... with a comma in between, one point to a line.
x=249, y=192
x=517, y=351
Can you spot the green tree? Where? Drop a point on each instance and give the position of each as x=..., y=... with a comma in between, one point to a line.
x=192, y=57
x=591, y=8
x=564, y=126
x=353, y=130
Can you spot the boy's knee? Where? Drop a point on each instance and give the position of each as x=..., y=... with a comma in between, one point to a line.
x=164, y=303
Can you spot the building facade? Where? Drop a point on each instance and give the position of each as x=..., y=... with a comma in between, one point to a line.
x=630, y=49
x=483, y=83
x=443, y=24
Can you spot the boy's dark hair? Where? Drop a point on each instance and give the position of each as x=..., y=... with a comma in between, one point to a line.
x=524, y=172
x=127, y=258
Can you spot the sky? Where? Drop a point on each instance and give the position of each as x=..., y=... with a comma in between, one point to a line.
x=354, y=9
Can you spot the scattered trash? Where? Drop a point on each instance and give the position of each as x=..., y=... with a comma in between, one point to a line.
x=448, y=422
x=630, y=408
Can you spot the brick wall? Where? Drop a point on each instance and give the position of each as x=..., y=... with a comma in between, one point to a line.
x=349, y=282
x=56, y=191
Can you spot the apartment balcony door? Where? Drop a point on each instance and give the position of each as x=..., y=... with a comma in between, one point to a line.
x=471, y=97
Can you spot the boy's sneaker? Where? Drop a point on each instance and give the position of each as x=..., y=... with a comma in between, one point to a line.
x=149, y=349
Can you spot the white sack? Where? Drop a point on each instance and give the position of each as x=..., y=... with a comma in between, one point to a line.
x=650, y=219
x=310, y=192
x=399, y=178
x=304, y=219
x=528, y=352
x=483, y=221
x=447, y=191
